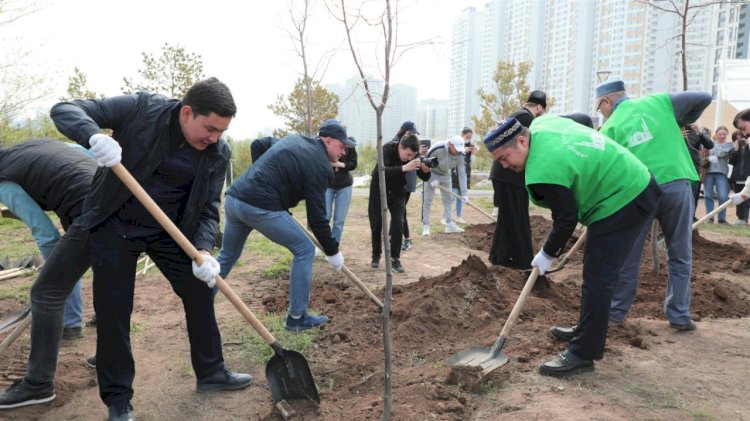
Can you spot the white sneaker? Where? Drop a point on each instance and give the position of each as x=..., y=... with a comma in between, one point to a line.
x=426, y=230
x=452, y=227
x=460, y=220
x=442, y=221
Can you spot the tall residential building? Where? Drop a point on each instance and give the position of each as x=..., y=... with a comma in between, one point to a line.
x=493, y=42
x=465, y=47
x=432, y=119
x=524, y=23
x=401, y=106
x=743, y=32
x=569, y=51
x=726, y=28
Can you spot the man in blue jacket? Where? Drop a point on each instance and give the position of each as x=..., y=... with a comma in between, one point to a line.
x=296, y=168
x=173, y=149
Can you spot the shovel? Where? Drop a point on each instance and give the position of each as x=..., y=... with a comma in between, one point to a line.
x=489, y=359
x=288, y=373
x=344, y=269
x=745, y=193
x=468, y=203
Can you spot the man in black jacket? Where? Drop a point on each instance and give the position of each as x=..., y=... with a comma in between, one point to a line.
x=511, y=243
x=173, y=148
x=296, y=168
x=398, y=160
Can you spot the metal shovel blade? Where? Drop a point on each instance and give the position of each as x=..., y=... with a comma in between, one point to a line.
x=479, y=356
x=290, y=378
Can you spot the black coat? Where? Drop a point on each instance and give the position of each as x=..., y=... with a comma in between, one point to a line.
x=54, y=174
x=140, y=123
x=395, y=179
x=342, y=177
x=740, y=161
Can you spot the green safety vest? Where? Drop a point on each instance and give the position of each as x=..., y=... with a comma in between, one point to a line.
x=603, y=176
x=647, y=127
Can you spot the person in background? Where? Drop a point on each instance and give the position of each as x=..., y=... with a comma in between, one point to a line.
x=450, y=156
x=411, y=181
x=698, y=143
x=740, y=161
x=339, y=191
x=716, y=175
x=469, y=157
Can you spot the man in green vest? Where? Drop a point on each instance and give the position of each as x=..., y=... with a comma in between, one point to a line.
x=581, y=176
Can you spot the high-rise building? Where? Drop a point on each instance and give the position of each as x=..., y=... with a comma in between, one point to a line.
x=743, y=32
x=401, y=106
x=465, y=48
x=432, y=119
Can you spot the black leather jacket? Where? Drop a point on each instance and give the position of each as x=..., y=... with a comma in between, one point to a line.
x=140, y=123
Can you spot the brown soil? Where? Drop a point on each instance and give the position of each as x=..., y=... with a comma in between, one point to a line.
x=460, y=302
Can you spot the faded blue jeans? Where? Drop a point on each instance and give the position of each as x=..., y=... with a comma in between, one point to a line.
x=459, y=202
x=720, y=181
x=46, y=236
x=675, y=215
x=279, y=227
x=339, y=200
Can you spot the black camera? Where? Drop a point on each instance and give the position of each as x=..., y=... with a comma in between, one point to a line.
x=431, y=162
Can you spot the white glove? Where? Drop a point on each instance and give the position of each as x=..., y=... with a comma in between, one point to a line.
x=207, y=271
x=107, y=151
x=542, y=261
x=713, y=159
x=465, y=199
x=435, y=183
x=737, y=198
x=337, y=261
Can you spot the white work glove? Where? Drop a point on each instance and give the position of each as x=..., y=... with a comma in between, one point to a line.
x=207, y=271
x=337, y=261
x=465, y=199
x=107, y=151
x=435, y=183
x=713, y=159
x=542, y=261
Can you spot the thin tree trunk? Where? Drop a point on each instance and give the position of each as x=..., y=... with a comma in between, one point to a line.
x=683, y=53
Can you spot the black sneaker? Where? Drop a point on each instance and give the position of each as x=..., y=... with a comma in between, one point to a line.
x=120, y=411
x=407, y=245
x=683, y=327
x=90, y=362
x=375, y=262
x=70, y=333
x=22, y=393
x=224, y=379
x=396, y=266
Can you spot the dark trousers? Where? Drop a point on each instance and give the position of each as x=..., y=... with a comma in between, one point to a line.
x=406, y=221
x=114, y=259
x=743, y=208
x=607, y=247
x=511, y=243
x=396, y=207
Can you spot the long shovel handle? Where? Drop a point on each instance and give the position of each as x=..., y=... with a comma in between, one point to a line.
x=482, y=211
x=15, y=333
x=344, y=269
x=572, y=250
x=712, y=213
x=516, y=311
x=185, y=244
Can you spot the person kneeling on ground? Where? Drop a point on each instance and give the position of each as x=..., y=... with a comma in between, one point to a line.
x=564, y=159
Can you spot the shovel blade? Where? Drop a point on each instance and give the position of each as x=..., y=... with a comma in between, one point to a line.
x=289, y=377
x=479, y=356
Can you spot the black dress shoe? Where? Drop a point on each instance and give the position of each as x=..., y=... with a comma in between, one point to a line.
x=566, y=364
x=690, y=325
x=121, y=411
x=224, y=379
x=563, y=333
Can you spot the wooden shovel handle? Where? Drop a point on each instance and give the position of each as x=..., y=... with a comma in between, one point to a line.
x=520, y=302
x=132, y=184
x=482, y=211
x=15, y=333
x=344, y=269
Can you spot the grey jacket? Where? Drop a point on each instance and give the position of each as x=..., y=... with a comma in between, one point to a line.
x=722, y=152
x=447, y=162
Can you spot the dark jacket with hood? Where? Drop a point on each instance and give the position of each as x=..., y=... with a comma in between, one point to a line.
x=141, y=124
x=54, y=174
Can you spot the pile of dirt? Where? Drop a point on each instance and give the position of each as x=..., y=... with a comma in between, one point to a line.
x=479, y=237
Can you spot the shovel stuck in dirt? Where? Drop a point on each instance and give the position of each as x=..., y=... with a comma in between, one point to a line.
x=287, y=372
x=489, y=359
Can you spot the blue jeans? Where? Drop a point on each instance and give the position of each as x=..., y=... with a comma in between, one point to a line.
x=46, y=236
x=718, y=180
x=675, y=215
x=459, y=203
x=279, y=227
x=340, y=198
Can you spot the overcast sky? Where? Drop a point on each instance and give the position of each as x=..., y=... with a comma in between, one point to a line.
x=241, y=42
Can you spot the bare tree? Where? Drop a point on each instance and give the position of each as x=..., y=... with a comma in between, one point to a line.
x=686, y=11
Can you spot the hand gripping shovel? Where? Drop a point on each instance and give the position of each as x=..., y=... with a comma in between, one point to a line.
x=745, y=193
x=287, y=372
x=344, y=269
x=489, y=359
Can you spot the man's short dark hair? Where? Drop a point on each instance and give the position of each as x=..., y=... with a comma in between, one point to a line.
x=742, y=115
x=466, y=130
x=410, y=141
x=210, y=96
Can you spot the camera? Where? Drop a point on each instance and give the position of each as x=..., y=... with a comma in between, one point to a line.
x=431, y=162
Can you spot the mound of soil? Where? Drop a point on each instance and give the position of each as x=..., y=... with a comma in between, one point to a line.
x=479, y=237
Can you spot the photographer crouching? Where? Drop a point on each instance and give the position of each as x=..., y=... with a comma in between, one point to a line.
x=450, y=155
x=398, y=160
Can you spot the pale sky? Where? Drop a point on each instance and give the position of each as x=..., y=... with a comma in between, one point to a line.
x=241, y=42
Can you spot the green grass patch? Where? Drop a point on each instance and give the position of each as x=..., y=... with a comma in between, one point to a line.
x=20, y=292
x=279, y=269
x=257, y=350
x=259, y=245
x=738, y=230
